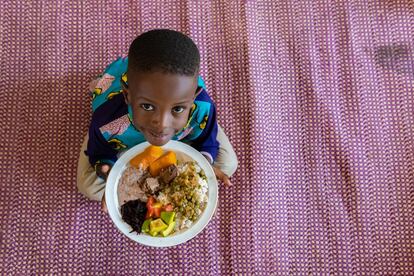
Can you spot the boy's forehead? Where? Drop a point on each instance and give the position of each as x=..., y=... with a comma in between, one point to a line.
x=159, y=77
x=156, y=83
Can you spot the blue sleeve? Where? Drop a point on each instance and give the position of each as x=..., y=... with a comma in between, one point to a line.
x=207, y=141
x=99, y=150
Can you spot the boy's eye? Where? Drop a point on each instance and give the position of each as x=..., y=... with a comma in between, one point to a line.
x=147, y=107
x=178, y=109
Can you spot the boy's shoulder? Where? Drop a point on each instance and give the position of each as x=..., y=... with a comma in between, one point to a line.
x=110, y=111
x=203, y=107
x=108, y=85
x=203, y=96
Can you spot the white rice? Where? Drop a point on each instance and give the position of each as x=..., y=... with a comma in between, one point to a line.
x=202, y=192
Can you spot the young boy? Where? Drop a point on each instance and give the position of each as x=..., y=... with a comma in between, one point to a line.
x=154, y=95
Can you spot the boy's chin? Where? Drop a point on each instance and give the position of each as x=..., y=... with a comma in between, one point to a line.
x=157, y=141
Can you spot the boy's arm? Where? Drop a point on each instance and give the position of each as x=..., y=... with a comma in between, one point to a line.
x=99, y=151
x=207, y=143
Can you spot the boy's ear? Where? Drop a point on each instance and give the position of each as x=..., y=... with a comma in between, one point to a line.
x=125, y=91
x=127, y=96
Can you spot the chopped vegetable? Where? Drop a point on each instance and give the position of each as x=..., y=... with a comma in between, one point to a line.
x=145, y=158
x=145, y=226
x=169, y=207
x=153, y=208
x=168, y=231
x=157, y=225
x=168, y=217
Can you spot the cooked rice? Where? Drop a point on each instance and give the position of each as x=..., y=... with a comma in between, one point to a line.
x=183, y=222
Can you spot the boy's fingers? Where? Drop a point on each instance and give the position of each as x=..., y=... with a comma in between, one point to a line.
x=103, y=205
x=105, y=168
x=222, y=176
x=226, y=180
x=102, y=170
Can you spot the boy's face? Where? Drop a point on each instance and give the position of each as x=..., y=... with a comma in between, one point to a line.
x=161, y=103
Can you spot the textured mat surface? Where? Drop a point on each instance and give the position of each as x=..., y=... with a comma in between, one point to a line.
x=316, y=96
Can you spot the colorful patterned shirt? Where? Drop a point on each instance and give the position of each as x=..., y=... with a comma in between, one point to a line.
x=111, y=130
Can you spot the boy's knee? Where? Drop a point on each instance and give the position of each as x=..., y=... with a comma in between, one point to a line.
x=232, y=166
x=87, y=181
x=229, y=169
x=89, y=184
x=227, y=162
x=91, y=190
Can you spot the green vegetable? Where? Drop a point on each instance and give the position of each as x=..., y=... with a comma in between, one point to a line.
x=157, y=225
x=146, y=226
x=168, y=231
x=168, y=217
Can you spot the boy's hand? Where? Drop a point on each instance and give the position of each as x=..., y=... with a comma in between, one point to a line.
x=103, y=172
x=103, y=204
x=222, y=176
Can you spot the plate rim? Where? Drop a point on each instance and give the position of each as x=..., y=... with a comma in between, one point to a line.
x=112, y=204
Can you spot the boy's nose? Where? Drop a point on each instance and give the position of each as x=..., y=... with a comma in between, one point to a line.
x=160, y=122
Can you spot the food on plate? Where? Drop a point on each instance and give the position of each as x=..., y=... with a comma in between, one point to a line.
x=133, y=212
x=156, y=226
x=132, y=185
x=168, y=174
x=149, y=155
x=168, y=217
x=161, y=196
x=169, y=229
x=187, y=193
x=164, y=225
x=153, y=208
x=145, y=226
x=164, y=161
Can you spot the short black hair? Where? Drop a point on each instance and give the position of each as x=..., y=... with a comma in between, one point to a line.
x=164, y=50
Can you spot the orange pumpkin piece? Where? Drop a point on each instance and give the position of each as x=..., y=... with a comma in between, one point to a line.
x=145, y=158
x=164, y=161
x=154, y=152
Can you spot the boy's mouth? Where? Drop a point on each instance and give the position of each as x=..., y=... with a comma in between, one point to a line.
x=157, y=139
x=158, y=135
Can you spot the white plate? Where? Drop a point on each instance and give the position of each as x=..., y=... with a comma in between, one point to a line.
x=111, y=196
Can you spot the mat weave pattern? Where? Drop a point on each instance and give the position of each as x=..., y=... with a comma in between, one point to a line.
x=317, y=98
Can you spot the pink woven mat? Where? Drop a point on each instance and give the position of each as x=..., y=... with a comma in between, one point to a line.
x=316, y=97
